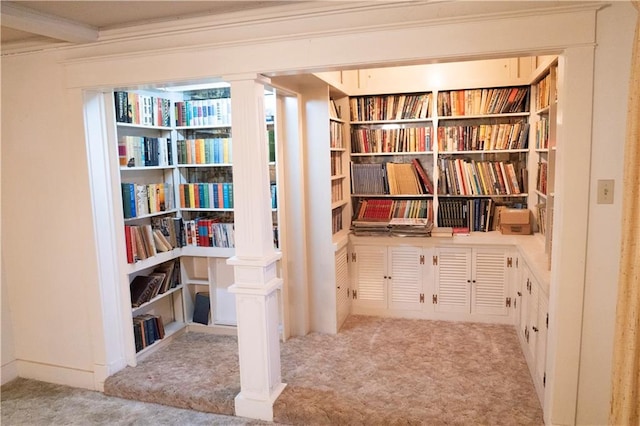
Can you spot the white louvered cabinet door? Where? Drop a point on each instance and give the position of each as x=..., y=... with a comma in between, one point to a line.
x=453, y=279
x=342, y=285
x=405, y=278
x=489, y=282
x=370, y=264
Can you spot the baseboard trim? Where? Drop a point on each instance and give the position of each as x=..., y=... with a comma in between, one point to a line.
x=9, y=372
x=56, y=374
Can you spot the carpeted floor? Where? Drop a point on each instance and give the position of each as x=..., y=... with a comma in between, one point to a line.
x=33, y=403
x=375, y=371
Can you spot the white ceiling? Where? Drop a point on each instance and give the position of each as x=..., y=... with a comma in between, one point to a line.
x=82, y=21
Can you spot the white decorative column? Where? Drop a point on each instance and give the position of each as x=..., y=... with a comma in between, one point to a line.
x=256, y=282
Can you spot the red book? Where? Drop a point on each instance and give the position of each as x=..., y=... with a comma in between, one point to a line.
x=428, y=186
x=127, y=239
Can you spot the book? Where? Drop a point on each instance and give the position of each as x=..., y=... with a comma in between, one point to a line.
x=128, y=244
x=141, y=289
x=201, y=308
x=424, y=178
x=167, y=269
x=159, y=278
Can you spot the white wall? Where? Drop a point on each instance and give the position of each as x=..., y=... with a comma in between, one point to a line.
x=49, y=254
x=612, y=65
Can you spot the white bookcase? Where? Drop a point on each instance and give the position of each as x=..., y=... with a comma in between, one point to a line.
x=196, y=175
x=545, y=106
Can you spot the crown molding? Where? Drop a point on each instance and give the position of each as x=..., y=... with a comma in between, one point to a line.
x=378, y=15
x=22, y=18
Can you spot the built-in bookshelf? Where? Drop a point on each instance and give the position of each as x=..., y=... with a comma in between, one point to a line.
x=151, y=218
x=449, y=157
x=482, y=150
x=392, y=156
x=545, y=118
x=175, y=155
x=339, y=173
x=204, y=169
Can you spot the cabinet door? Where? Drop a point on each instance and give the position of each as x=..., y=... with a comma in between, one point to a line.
x=453, y=278
x=342, y=285
x=489, y=282
x=369, y=278
x=405, y=277
x=541, y=337
x=532, y=317
x=522, y=301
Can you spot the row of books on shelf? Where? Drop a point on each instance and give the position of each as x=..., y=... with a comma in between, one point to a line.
x=336, y=164
x=543, y=91
x=204, y=151
x=470, y=177
x=483, y=101
x=386, y=209
x=390, y=178
x=468, y=215
x=541, y=181
x=163, y=278
x=541, y=216
x=336, y=191
x=140, y=199
x=204, y=112
x=483, y=137
x=379, y=140
x=145, y=241
x=167, y=233
x=209, y=232
x=139, y=151
x=336, y=220
x=217, y=195
x=135, y=108
x=542, y=133
x=390, y=107
x=147, y=329
x=336, y=138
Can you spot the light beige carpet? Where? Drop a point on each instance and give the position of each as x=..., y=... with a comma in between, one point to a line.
x=28, y=402
x=375, y=371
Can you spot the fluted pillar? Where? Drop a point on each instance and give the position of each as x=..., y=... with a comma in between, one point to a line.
x=256, y=282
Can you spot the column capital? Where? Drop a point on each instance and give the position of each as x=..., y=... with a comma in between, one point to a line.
x=254, y=261
x=258, y=78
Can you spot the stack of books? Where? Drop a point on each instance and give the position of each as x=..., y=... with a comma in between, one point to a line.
x=410, y=227
x=370, y=227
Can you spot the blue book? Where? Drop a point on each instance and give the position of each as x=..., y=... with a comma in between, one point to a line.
x=129, y=200
x=225, y=195
x=216, y=152
x=216, y=204
x=201, y=198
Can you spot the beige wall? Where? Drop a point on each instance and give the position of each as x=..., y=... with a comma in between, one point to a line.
x=612, y=68
x=49, y=254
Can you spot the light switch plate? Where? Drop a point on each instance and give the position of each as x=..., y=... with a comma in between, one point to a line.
x=605, y=191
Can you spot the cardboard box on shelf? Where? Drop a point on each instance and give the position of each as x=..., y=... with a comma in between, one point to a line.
x=515, y=221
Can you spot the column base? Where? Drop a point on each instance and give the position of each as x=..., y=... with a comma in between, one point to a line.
x=255, y=408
